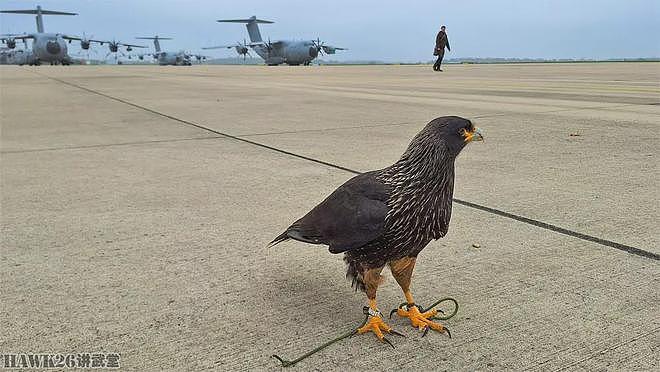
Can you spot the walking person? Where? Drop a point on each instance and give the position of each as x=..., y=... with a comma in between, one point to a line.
x=441, y=41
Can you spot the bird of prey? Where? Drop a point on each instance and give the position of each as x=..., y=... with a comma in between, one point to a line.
x=387, y=216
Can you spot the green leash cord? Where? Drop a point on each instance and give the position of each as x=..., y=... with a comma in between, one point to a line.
x=422, y=310
x=289, y=363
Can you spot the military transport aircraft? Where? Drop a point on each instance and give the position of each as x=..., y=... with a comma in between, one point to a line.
x=46, y=47
x=179, y=58
x=291, y=52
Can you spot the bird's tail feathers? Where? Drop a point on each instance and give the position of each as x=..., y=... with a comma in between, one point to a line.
x=282, y=237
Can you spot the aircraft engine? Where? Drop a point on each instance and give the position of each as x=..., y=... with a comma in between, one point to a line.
x=297, y=54
x=53, y=47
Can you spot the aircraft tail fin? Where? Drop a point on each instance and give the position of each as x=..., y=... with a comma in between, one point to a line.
x=39, y=12
x=35, y=11
x=155, y=39
x=252, y=25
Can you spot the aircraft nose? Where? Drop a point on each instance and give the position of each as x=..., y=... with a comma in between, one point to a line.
x=53, y=47
x=313, y=52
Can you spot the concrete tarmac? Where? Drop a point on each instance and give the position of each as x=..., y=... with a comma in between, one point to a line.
x=137, y=202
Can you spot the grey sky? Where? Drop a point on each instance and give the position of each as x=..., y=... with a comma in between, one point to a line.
x=374, y=30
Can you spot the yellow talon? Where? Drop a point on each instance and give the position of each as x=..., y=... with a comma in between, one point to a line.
x=376, y=325
x=421, y=320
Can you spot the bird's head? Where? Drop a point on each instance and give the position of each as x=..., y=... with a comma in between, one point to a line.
x=454, y=132
x=441, y=140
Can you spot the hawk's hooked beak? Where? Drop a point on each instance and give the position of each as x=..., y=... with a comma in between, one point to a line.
x=473, y=136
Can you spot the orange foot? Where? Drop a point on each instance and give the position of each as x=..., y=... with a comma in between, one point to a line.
x=376, y=325
x=421, y=320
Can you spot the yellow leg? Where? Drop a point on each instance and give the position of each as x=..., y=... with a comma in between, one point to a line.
x=402, y=271
x=409, y=297
x=372, y=304
x=375, y=322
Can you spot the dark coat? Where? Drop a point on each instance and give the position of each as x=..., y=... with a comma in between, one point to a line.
x=441, y=41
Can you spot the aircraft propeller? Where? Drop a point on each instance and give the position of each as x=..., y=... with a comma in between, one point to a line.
x=85, y=41
x=325, y=49
x=243, y=49
x=320, y=47
x=114, y=47
x=269, y=47
x=11, y=41
x=85, y=44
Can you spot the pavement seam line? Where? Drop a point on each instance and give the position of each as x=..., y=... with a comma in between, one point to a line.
x=608, y=243
x=102, y=145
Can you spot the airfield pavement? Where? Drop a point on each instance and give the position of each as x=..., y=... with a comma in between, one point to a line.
x=137, y=202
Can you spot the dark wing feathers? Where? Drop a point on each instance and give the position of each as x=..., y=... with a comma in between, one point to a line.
x=352, y=216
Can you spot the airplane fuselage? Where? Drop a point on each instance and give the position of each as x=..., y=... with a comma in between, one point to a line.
x=52, y=48
x=173, y=59
x=291, y=52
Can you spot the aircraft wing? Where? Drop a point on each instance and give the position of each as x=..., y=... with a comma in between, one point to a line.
x=70, y=37
x=329, y=49
x=6, y=37
x=220, y=47
x=37, y=11
x=132, y=45
x=275, y=44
